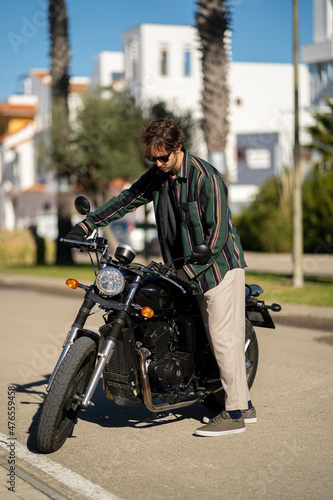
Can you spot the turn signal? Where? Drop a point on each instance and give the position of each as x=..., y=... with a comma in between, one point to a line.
x=146, y=312
x=72, y=283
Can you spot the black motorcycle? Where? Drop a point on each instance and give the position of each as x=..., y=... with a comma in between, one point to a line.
x=152, y=348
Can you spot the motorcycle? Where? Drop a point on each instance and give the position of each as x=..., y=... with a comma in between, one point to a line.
x=152, y=349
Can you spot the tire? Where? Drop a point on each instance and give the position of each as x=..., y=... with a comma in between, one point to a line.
x=61, y=407
x=215, y=402
x=251, y=354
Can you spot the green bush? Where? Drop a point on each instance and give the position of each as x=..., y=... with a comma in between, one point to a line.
x=18, y=247
x=318, y=212
x=266, y=225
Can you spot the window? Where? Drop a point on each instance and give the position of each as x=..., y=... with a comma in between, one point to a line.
x=315, y=70
x=322, y=73
x=330, y=71
x=258, y=158
x=187, y=62
x=163, y=61
x=115, y=76
x=134, y=52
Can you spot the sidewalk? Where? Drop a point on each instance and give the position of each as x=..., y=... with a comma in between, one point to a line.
x=281, y=263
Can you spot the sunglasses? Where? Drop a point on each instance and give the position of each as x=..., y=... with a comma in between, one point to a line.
x=162, y=159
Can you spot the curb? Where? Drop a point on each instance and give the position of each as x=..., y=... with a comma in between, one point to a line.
x=304, y=316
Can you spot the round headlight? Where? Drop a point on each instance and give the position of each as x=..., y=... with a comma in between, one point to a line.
x=110, y=281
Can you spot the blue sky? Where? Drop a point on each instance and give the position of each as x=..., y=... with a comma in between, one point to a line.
x=262, y=31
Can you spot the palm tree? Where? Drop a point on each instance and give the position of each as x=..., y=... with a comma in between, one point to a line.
x=58, y=29
x=322, y=136
x=213, y=20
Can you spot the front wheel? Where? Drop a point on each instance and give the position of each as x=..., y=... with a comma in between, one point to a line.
x=215, y=402
x=63, y=402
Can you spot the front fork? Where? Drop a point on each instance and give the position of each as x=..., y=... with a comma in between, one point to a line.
x=108, y=346
x=78, y=324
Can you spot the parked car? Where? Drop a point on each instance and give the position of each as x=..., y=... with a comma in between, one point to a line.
x=132, y=232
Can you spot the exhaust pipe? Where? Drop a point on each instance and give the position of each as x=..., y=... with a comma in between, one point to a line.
x=147, y=395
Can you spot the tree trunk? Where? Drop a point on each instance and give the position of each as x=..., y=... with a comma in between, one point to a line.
x=64, y=254
x=213, y=19
x=58, y=28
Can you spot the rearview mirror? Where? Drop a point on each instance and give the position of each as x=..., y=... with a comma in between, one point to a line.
x=201, y=254
x=82, y=205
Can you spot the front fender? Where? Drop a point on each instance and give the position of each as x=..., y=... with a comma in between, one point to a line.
x=74, y=334
x=92, y=335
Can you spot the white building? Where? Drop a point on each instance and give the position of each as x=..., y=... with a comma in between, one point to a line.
x=26, y=193
x=319, y=54
x=163, y=62
x=261, y=138
x=109, y=69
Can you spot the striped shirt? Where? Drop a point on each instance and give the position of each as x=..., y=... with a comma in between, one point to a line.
x=205, y=217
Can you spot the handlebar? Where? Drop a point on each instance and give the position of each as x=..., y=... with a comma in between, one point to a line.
x=77, y=242
x=162, y=270
x=93, y=246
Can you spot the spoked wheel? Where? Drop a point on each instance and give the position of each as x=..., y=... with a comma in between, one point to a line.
x=63, y=402
x=215, y=402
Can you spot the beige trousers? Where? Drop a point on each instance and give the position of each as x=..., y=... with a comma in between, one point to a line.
x=223, y=312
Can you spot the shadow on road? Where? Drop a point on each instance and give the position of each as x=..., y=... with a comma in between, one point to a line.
x=37, y=392
x=106, y=413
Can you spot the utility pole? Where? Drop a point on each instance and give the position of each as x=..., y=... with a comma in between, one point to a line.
x=297, y=177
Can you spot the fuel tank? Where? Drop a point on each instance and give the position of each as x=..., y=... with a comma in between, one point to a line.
x=160, y=295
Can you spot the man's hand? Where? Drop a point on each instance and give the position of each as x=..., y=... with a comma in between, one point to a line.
x=182, y=276
x=77, y=233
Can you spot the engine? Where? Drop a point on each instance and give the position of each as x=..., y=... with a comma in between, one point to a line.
x=171, y=360
x=172, y=369
x=166, y=368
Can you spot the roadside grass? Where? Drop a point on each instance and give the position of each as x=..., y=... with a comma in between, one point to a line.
x=316, y=291
x=81, y=271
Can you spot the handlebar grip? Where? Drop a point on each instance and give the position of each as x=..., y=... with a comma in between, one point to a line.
x=184, y=283
x=170, y=274
x=78, y=242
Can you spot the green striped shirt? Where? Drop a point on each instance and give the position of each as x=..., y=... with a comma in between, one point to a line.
x=205, y=217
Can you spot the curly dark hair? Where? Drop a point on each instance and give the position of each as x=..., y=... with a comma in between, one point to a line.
x=161, y=134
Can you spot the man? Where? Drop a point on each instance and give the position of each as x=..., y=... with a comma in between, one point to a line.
x=190, y=203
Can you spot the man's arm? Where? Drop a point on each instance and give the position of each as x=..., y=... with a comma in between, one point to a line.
x=128, y=200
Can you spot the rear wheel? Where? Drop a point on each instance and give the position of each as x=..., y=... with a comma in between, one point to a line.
x=63, y=402
x=251, y=353
x=215, y=402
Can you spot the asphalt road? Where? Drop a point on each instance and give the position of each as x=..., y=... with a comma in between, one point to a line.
x=125, y=453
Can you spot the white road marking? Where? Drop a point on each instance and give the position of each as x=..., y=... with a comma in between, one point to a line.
x=62, y=474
